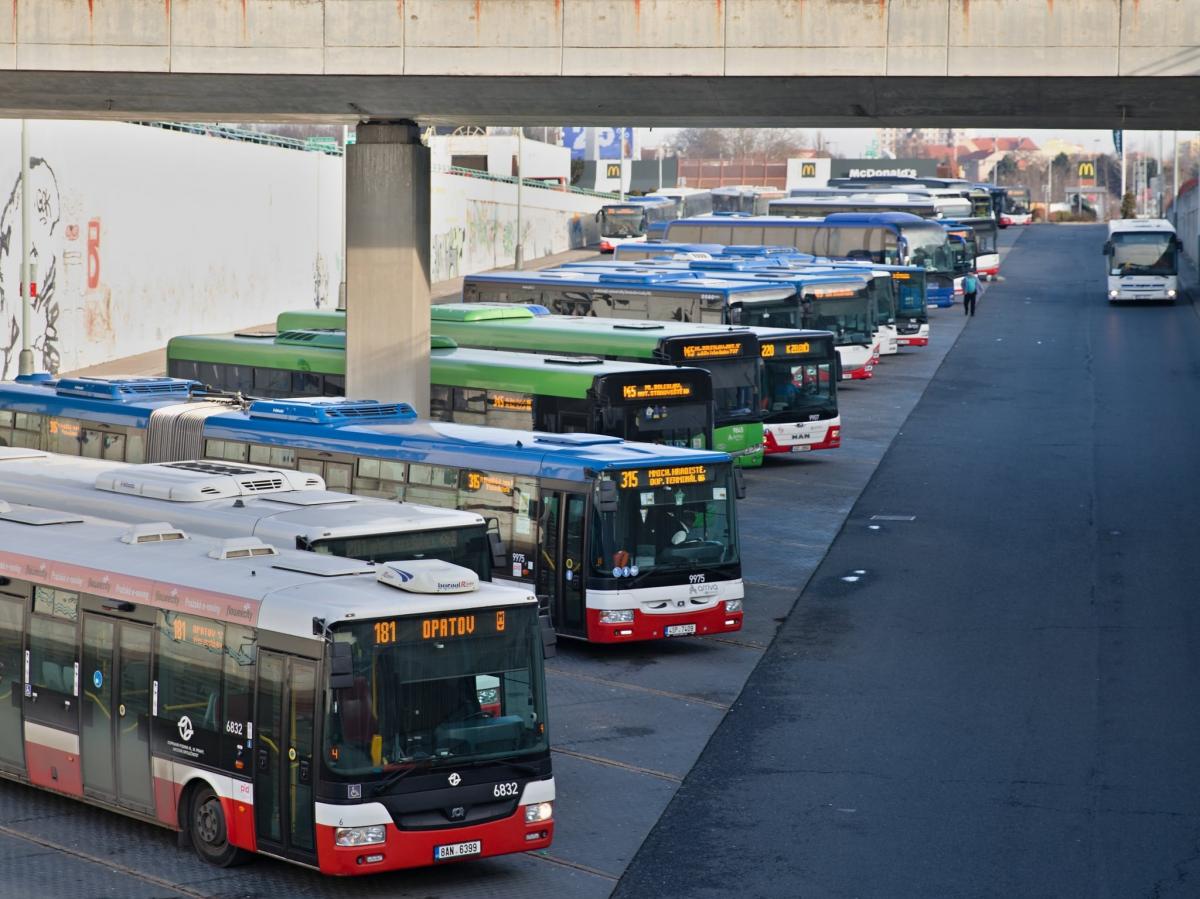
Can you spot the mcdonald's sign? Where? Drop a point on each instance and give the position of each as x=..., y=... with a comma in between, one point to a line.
x=808, y=170
x=1087, y=172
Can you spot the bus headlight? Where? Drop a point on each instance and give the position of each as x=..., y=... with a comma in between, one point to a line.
x=539, y=811
x=616, y=616
x=733, y=605
x=1171, y=294
x=360, y=836
x=1113, y=294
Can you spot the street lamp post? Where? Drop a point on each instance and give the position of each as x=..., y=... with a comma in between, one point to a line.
x=519, y=254
x=25, y=357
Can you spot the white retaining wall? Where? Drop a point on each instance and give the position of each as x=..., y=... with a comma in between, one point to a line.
x=1185, y=214
x=474, y=224
x=140, y=234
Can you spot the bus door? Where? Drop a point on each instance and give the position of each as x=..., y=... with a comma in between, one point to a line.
x=12, y=632
x=114, y=712
x=284, y=767
x=562, y=573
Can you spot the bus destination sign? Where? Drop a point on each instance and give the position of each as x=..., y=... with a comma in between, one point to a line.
x=510, y=402
x=769, y=350
x=475, y=481
x=711, y=350
x=674, y=476
x=438, y=627
x=657, y=391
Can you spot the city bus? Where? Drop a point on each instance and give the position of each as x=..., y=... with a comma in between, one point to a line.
x=1018, y=208
x=746, y=199
x=620, y=541
x=287, y=508
x=1142, y=260
x=688, y=201
x=807, y=418
x=560, y=394
x=630, y=219
x=631, y=252
x=270, y=701
x=980, y=236
x=891, y=238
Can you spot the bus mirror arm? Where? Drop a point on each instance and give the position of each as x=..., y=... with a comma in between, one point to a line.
x=1108, y=248
x=496, y=543
x=341, y=666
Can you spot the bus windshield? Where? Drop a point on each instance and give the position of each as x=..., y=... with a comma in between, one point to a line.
x=623, y=221
x=440, y=689
x=467, y=547
x=797, y=387
x=1144, y=253
x=656, y=529
x=928, y=248
x=672, y=424
x=735, y=389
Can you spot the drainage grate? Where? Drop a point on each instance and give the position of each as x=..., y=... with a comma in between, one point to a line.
x=893, y=518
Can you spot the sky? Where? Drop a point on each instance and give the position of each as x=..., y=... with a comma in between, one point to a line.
x=853, y=142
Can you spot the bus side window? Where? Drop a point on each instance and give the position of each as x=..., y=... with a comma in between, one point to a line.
x=135, y=446
x=440, y=402
x=190, y=654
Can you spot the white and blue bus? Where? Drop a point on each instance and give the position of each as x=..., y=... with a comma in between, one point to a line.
x=621, y=541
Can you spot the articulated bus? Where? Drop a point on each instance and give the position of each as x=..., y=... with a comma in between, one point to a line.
x=630, y=219
x=891, y=238
x=560, y=394
x=839, y=288
x=1142, y=260
x=620, y=541
x=796, y=397
x=345, y=716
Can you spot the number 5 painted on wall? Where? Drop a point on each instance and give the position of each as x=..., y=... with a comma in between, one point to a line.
x=93, y=254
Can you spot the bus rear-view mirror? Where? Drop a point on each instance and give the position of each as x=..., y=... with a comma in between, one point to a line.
x=341, y=666
x=606, y=496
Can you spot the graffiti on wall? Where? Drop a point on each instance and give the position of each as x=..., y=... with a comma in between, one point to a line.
x=446, y=254
x=44, y=257
x=320, y=282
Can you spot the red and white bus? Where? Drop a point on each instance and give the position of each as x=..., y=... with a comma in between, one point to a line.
x=345, y=715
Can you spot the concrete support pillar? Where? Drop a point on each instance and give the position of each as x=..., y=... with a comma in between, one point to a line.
x=387, y=265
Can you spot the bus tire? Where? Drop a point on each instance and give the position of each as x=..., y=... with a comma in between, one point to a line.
x=210, y=836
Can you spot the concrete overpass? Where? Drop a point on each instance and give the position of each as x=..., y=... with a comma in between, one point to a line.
x=961, y=63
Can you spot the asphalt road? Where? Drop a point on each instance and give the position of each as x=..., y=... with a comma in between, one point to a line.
x=627, y=723
x=996, y=698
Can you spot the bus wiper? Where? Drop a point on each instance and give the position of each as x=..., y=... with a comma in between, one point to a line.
x=394, y=778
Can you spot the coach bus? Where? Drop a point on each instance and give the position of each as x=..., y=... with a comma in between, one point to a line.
x=981, y=236
x=1142, y=260
x=630, y=219
x=892, y=238
x=269, y=701
x=745, y=199
x=808, y=418
x=561, y=394
x=620, y=541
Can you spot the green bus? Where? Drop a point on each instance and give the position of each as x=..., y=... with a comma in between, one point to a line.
x=560, y=394
x=730, y=355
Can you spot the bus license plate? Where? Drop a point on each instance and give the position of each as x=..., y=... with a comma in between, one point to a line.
x=457, y=850
x=801, y=448
x=679, y=630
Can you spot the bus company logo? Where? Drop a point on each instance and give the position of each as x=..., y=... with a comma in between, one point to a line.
x=454, y=779
x=98, y=583
x=405, y=576
x=808, y=170
x=244, y=612
x=185, y=728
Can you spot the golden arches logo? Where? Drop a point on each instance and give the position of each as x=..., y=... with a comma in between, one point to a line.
x=808, y=170
x=1087, y=170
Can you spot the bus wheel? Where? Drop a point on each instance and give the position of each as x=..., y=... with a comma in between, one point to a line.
x=210, y=837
